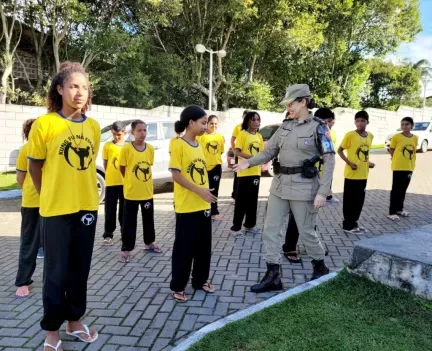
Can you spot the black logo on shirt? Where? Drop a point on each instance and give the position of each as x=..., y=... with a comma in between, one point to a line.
x=115, y=162
x=408, y=151
x=198, y=171
x=363, y=153
x=142, y=171
x=254, y=148
x=212, y=147
x=77, y=151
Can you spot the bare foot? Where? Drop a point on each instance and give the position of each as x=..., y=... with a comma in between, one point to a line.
x=216, y=217
x=78, y=326
x=52, y=338
x=22, y=292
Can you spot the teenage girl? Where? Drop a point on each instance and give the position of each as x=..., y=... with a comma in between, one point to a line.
x=248, y=143
x=136, y=161
x=213, y=144
x=30, y=235
x=65, y=142
x=403, y=151
x=192, y=198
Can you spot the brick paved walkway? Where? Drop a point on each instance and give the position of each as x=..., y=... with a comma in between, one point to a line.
x=130, y=304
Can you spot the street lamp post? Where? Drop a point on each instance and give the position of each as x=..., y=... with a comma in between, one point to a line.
x=425, y=84
x=221, y=53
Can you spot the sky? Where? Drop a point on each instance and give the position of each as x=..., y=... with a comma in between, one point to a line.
x=421, y=47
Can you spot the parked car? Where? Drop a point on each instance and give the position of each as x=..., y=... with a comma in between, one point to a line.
x=424, y=132
x=266, y=133
x=159, y=134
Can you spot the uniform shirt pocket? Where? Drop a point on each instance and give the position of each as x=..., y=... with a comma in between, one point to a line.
x=306, y=143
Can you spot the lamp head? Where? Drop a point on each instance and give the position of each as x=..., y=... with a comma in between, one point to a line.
x=221, y=53
x=200, y=48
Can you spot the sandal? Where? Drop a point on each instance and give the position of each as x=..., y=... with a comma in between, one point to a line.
x=154, y=249
x=208, y=288
x=403, y=213
x=216, y=217
x=55, y=348
x=108, y=242
x=124, y=259
x=179, y=296
x=86, y=331
x=289, y=256
x=393, y=217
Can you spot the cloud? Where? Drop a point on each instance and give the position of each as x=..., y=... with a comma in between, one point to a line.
x=419, y=49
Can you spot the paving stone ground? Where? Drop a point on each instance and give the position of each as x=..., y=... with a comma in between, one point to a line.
x=131, y=305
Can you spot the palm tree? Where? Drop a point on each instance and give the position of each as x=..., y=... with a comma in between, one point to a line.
x=425, y=69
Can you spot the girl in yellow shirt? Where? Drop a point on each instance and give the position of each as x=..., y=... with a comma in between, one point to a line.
x=192, y=198
x=213, y=144
x=65, y=142
x=403, y=148
x=30, y=234
x=248, y=143
x=136, y=161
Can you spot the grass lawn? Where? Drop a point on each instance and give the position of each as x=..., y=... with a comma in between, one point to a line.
x=378, y=146
x=344, y=314
x=8, y=181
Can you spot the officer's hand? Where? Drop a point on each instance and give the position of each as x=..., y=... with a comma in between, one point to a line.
x=353, y=166
x=206, y=195
x=371, y=165
x=244, y=164
x=320, y=201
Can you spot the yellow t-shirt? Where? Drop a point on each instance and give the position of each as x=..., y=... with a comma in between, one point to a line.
x=404, y=156
x=358, y=149
x=236, y=130
x=190, y=161
x=111, y=154
x=250, y=144
x=213, y=146
x=69, y=150
x=138, y=182
x=30, y=197
x=333, y=136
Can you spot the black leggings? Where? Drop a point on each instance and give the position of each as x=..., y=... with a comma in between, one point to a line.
x=401, y=181
x=215, y=175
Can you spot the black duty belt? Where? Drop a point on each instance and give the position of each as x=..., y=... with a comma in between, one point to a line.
x=291, y=170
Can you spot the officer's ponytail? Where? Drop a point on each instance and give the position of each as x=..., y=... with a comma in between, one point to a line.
x=190, y=113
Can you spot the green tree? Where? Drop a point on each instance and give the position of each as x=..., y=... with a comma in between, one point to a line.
x=392, y=85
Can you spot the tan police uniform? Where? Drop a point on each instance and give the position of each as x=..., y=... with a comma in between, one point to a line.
x=295, y=141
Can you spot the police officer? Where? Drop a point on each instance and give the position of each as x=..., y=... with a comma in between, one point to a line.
x=300, y=141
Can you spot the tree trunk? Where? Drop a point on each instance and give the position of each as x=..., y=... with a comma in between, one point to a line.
x=4, y=80
x=56, y=45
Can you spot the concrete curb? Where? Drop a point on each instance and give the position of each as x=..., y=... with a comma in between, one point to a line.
x=10, y=194
x=194, y=338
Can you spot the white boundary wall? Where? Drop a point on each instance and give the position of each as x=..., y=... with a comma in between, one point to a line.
x=382, y=122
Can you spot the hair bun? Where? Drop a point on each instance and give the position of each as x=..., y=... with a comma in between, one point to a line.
x=64, y=66
x=179, y=127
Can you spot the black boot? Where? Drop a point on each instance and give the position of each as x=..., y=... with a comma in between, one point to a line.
x=271, y=280
x=319, y=269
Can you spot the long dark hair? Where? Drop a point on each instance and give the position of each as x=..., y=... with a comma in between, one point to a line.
x=190, y=113
x=247, y=118
x=54, y=100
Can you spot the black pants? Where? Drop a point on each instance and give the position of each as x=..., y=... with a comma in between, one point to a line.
x=29, y=245
x=353, y=200
x=113, y=195
x=193, y=241
x=68, y=246
x=401, y=181
x=130, y=223
x=246, y=202
x=214, y=181
x=330, y=196
x=235, y=182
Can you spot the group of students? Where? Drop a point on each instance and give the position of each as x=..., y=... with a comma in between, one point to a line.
x=60, y=197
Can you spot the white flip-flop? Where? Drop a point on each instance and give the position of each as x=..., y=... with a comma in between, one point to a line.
x=55, y=348
x=85, y=331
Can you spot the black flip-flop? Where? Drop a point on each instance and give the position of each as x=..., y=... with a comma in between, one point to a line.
x=292, y=254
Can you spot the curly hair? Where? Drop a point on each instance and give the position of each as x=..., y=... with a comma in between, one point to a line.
x=26, y=128
x=54, y=100
x=247, y=118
